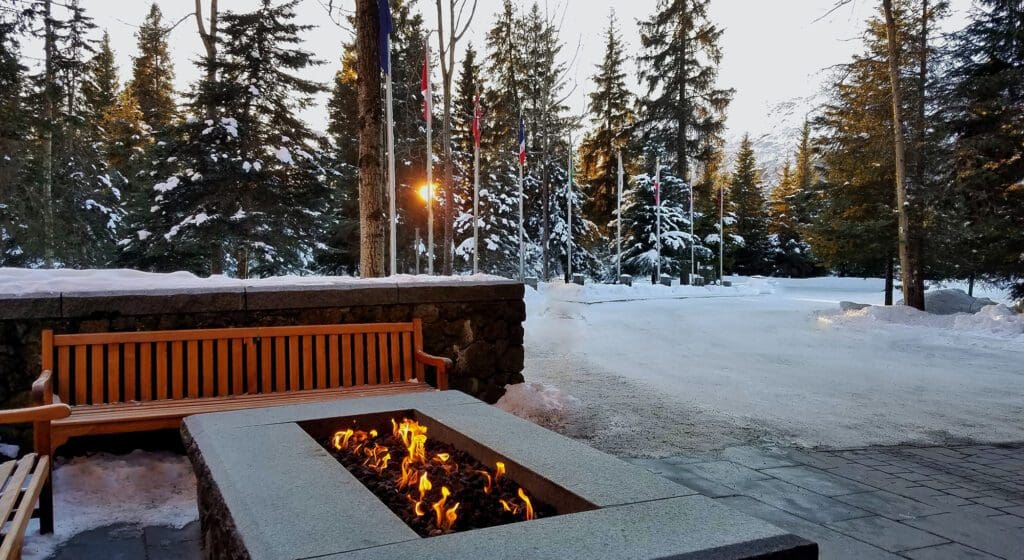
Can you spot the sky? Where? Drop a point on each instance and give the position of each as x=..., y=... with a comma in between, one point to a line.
x=776, y=51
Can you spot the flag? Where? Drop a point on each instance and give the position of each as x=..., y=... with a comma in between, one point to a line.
x=477, y=119
x=522, y=142
x=657, y=191
x=425, y=85
x=384, y=34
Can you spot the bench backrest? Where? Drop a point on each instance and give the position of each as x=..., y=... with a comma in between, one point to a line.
x=99, y=368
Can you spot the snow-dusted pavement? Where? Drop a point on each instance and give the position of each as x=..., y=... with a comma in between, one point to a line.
x=669, y=376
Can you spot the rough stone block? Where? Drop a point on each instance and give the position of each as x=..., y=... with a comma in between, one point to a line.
x=303, y=297
x=36, y=306
x=152, y=302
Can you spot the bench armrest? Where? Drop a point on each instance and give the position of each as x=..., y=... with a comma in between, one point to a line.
x=42, y=388
x=438, y=363
x=43, y=413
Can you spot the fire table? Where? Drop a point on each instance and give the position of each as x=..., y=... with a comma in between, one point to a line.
x=269, y=489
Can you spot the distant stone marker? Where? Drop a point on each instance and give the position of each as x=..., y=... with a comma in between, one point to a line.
x=577, y=279
x=626, y=280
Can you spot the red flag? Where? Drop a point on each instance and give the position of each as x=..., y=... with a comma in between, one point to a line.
x=657, y=192
x=425, y=85
x=477, y=119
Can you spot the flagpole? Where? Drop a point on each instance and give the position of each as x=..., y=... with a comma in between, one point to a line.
x=721, y=236
x=568, y=207
x=693, y=263
x=657, y=211
x=618, y=225
x=391, y=171
x=476, y=183
x=522, y=233
x=428, y=99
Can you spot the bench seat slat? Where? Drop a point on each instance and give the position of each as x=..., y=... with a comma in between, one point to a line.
x=39, y=471
x=15, y=484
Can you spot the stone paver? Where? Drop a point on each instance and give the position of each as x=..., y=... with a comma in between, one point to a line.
x=885, y=533
x=130, y=542
x=817, y=480
x=950, y=551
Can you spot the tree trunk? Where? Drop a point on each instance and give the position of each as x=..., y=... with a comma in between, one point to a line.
x=889, y=272
x=910, y=260
x=449, y=178
x=209, y=38
x=970, y=285
x=372, y=219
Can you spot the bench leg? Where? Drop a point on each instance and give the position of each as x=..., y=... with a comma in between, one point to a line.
x=46, y=506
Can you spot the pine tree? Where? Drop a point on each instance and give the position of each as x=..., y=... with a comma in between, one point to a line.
x=788, y=210
x=253, y=177
x=101, y=87
x=754, y=256
x=984, y=112
x=612, y=118
x=152, y=82
x=679, y=67
x=12, y=143
x=467, y=85
x=640, y=225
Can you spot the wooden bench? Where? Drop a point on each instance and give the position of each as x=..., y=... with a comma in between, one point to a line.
x=27, y=480
x=139, y=381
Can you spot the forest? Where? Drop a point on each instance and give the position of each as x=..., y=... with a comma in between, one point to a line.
x=912, y=169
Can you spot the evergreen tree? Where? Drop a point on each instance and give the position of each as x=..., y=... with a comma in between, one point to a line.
x=754, y=256
x=253, y=177
x=467, y=85
x=985, y=119
x=101, y=87
x=640, y=225
x=679, y=67
x=789, y=213
x=152, y=82
x=612, y=118
x=12, y=142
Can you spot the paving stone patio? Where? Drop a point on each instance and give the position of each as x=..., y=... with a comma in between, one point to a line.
x=935, y=503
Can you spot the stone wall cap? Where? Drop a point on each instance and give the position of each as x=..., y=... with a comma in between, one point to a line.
x=152, y=302
x=40, y=305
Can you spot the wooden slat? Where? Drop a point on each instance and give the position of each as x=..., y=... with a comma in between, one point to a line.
x=63, y=374
x=360, y=362
x=395, y=372
x=14, y=485
x=222, y=368
x=11, y=547
x=266, y=363
x=334, y=362
x=97, y=372
x=417, y=344
x=216, y=334
x=252, y=366
x=385, y=359
x=346, y=360
x=160, y=389
x=371, y=359
x=177, y=381
x=209, y=385
x=307, y=362
x=293, y=363
x=113, y=373
x=81, y=376
x=6, y=469
x=193, y=369
x=145, y=372
x=237, y=366
x=130, y=370
x=321, y=362
x=407, y=356
x=280, y=371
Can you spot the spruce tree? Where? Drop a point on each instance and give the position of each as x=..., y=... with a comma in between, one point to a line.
x=468, y=84
x=683, y=106
x=101, y=87
x=754, y=255
x=12, y=143
x=789, y=212
x=640, y=225
x=984, y=112
x=152, y=82
x=252, y=179
x=611, y=118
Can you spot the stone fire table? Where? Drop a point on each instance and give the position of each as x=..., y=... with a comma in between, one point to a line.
x=269, y=491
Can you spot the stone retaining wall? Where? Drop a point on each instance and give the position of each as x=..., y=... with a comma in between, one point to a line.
x=479, y=325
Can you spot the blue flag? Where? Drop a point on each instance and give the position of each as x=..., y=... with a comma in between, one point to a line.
x=384, y=34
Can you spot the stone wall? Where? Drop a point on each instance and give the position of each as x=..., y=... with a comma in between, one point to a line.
x=479, y=325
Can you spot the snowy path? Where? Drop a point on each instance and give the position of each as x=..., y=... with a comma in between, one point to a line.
x=669, y=376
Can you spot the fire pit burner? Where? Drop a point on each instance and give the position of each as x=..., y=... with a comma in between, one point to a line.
x=268, y=489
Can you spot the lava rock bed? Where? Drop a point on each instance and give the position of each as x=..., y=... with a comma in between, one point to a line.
x=464, y=477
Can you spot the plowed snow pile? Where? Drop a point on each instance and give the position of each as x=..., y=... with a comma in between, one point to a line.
x=993, y=320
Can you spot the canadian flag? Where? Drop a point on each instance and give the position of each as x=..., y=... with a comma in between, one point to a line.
x=478, y=117
x=425, y=85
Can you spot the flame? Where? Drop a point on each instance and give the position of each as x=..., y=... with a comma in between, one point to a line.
x=487, y=481
x=357, y=438
x=442, y=457
x=499, y=471
x=413, y=436
x=511, y=508
x=425, y=486
x=527, y=504
x=377, y=457
x=445, y=517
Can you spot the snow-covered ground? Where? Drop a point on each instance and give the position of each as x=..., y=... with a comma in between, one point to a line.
x=663, y=376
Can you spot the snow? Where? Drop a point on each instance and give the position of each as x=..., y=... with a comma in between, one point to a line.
x=142, y=487
x=284, y=155
x=537, y=402
x=143, y=234
x=169, y=185
x=27, y=281
x=661, y=376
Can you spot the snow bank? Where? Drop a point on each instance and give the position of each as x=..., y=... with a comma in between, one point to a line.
x=643, y=290
x=142, y=487
x=952, y=301
x=993, y=320
x=537, y=402
x=24, y=281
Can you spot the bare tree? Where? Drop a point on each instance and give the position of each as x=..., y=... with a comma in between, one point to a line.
x=910, y=258
x=372, y=217
x=448, y=38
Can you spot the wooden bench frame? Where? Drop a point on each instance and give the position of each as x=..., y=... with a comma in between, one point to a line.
x=142, y=381
x=27, y=480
